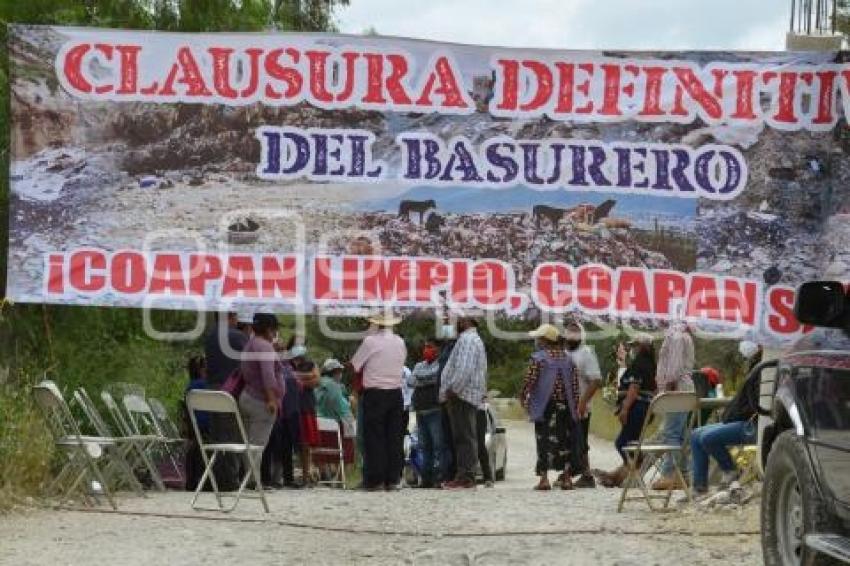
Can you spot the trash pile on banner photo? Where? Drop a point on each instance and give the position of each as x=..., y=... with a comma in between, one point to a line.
x=55, y=172
x=509, y=237
x=763, y=245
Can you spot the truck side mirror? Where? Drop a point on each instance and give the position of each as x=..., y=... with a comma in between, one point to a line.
x=821, y=303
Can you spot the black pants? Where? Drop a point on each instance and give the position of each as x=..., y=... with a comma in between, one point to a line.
x=228, y=467
x=283, y=443
x=631, y=430
x=560, y=440
x=465, y=437
x=383, y=437
x=584, y=468
x=448, y=444
x=481, y=436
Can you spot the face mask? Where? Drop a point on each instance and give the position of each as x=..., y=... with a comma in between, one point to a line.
x=429, y=354
x=572, y=344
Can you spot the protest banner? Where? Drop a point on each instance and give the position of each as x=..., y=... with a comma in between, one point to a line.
x=302, y=172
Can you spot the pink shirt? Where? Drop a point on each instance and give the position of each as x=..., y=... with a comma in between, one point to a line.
x=381, y=358
x=262, y=369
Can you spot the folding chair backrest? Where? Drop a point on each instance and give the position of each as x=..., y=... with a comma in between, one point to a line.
x=56, y=412
x=117, y=416
x=213, y=402
x=162, y=416
x=94, y=417
x=327, y=425
x=670, y=402
x=673, y=402
x=142, y=418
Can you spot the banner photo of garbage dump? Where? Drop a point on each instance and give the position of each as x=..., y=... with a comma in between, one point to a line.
x=334, y=173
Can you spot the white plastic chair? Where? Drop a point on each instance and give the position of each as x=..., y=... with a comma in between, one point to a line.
x=221, y=402
x=90, y=461
x=642, y=453
x=143, y=421
x=133, y=447
x=332, y=426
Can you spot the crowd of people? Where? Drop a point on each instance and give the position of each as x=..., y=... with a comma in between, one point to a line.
x=282, y=392
x=643, y=375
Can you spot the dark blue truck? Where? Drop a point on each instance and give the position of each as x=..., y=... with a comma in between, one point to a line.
x=804, y=439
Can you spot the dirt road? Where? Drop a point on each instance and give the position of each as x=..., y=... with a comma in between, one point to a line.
x=510, y=524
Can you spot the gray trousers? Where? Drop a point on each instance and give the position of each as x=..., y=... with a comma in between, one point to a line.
x=463, y=419
x=257, y=419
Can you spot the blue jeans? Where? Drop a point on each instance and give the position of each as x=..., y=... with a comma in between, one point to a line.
x=430, y=428
x=712, y=440
x=673, y=432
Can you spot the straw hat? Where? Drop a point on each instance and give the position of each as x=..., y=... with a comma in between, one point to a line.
x=384, y=319
x=548, y=332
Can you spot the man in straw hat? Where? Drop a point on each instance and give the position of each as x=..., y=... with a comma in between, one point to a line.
x=463, y=387
x=381, y=359
x=550, y=394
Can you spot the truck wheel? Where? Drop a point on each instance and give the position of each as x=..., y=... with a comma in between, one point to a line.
x=791, y=506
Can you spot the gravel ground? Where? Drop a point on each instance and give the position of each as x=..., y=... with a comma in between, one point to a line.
x=510, y=524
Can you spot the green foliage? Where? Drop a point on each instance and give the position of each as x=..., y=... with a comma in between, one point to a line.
x=97, y=346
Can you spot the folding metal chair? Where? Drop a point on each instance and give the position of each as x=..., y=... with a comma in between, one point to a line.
x=150, y=443
x=332, y=426
x=89, y=460
x=133, y=447
x=164, y=419
x=143, y=421
x=642, y=455
x=221, y=402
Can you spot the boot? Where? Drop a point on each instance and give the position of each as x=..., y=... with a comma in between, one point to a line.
x=668, y=483
x=614, y=478
x=566, y=480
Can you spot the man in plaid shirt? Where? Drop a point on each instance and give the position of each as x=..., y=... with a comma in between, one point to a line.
x=463, y=387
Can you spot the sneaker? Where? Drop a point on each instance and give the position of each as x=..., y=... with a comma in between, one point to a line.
x=726, y=478
x=699, y=494
x=585, y=481
x=489, y=483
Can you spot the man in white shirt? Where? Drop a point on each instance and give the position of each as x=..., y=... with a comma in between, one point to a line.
x=589, y=381
x=381, y=359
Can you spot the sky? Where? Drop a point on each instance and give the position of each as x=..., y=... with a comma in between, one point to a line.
x=579, y=24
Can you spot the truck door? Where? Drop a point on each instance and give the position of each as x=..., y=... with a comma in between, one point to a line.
x=827, y=403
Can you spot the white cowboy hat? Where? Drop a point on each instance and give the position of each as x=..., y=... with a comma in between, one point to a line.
x=331, y=364
x=548, y=331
